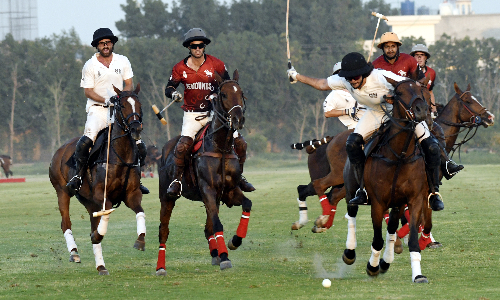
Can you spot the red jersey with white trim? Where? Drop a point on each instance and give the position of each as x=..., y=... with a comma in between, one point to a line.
x=429, y=72
x=198, y=85
x=404, y=65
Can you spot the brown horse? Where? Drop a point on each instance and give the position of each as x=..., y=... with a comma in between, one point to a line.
x=153, y=158
x=123, y=176
x=404, y=181
x=326, y=163
x=212, y=175
x=6, y=162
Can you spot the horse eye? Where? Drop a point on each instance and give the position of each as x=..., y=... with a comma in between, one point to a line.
x=223, y=95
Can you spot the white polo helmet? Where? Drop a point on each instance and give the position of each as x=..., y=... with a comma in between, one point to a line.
x=337, y=67
x=420, y=48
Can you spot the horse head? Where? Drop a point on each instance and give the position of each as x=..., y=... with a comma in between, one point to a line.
x=230, y=102
x=471, y=110
x=411, y=100
x=128, y=112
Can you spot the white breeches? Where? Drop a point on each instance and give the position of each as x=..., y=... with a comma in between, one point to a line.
x=97, y=119
x=191, y=126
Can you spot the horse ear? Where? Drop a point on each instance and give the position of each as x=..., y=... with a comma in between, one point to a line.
x=137, y=89
x=217, y=78
x=468, y=88
x=236, y=75
x=457, y=89
x=424, y=81
x=117, y=91
x=391, y=81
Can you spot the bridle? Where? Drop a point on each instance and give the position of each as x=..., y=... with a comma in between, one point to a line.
x=408, y=108
x=122, y=121
x=220, y=113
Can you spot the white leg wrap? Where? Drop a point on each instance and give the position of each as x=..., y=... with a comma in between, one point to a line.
x=432, y=238
x=70, y=241
x=99, y=260
x=375, y=258
x=102, y=228
x=415, y=265
x=422, y=131
x=302, y=212
x=141, y=223
x=390, y=239
x=351, y=243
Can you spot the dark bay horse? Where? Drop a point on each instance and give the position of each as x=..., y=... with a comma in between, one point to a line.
x=326, y=161
x=212, y=175
x=123, y=176
x=153, y=158
x=404, y=181
x=6, y=162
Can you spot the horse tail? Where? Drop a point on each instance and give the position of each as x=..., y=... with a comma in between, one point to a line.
x=312, y=145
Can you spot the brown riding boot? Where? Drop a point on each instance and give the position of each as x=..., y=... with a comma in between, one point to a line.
x=240, y=147
x=181, y=150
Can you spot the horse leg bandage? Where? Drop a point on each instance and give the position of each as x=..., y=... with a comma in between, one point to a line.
x=333, y=210
x=351, y=243
x=99, y=260
x=212, y=243
x=243, y=227
x=386, y=219
x=403, y=231
x=325, y=204
x=374, y=258
x=423, y=241
x=103, y=225
x=221, y=244
x=160, y=264
x=389, y=247
x=302, y=212
x=415, y=264
x=432, y=238
x=70, y=240
x=141, y=223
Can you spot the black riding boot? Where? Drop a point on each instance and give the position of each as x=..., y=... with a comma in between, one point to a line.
x=354, y=148
x=181, y=150
x=240, y=147
x=448, y=167
x=431, y=149
x=81, y=156
x=142, y=151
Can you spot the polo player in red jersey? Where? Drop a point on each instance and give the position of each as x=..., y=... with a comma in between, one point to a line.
x=196, y=72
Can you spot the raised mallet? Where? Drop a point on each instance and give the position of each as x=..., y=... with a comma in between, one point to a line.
x=379, y=16
x=158, y=112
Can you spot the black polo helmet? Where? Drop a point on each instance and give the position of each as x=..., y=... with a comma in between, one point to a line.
x=103, y=33
x=195, y=34
x=354, y=64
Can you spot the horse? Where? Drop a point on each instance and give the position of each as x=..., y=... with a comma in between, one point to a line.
x=211, y=176
x=122, y=176
x=152, y=159
x=6, y=162
x=327, y=157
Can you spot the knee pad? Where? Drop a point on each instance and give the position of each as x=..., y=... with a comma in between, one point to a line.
x=354, y=148
x=141, y=147
x=432, y=151
x=183, y=144
x=240, y=146
x=82, y=147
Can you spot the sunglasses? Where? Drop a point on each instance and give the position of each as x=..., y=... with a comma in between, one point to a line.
x=105, y=43
x=353, y=78
x=197, y=46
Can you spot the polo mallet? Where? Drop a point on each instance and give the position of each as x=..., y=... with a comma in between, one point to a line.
x=379, y=16
x=287, y=39
x=158, y=112
x=104, y=211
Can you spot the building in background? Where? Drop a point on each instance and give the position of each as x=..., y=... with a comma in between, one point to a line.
x=19, y=18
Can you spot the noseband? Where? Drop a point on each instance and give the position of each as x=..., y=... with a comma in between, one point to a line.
x=475, y=118
x=220, y=112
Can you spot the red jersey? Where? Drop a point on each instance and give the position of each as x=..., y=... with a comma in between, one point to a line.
x=198, y=85
x=432, y=75
x=404, y=65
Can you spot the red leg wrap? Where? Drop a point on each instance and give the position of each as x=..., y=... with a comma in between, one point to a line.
x=333, y=210
x=212, y=244
x=420, y=228
x=221, y=244
x=161, y=258
x=423, y=241
x=243, y=227
x=386, y=218
x=407, y=214
x=403, y=231
x=325, y=204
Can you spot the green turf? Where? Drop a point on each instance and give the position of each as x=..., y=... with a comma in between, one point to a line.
x=272, y=263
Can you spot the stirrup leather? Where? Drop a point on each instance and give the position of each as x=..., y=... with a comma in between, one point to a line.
x=429, y=198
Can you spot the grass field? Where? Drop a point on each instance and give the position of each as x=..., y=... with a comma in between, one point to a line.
x=272, y=263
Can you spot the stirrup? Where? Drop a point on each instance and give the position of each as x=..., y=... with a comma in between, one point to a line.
x=76, y=180
x=174, y=181
x=449, y=174
x=429, y=199
x=360, y=198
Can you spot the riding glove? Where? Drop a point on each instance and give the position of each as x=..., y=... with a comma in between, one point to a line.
x=292, y=75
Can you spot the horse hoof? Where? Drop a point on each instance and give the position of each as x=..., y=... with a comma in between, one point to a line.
x=74, y=257
x=296, y=225
x=398, y=246
x=225, y=264
x=230, y=245
x=321, y=220
x=421, y=279
x=384, y=266
x=140, y=245
x=161, y=272
x=349, y=256
x=102, y=270
x=434, y=245
x=372, y=271
x=216, y=261
x=317, y=229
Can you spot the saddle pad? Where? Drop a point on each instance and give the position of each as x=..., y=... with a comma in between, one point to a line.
x=199, y=139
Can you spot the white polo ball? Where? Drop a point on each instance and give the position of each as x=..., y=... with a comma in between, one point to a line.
x=326, y=283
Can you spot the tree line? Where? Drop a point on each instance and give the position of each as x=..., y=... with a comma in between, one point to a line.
x=43, y=105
